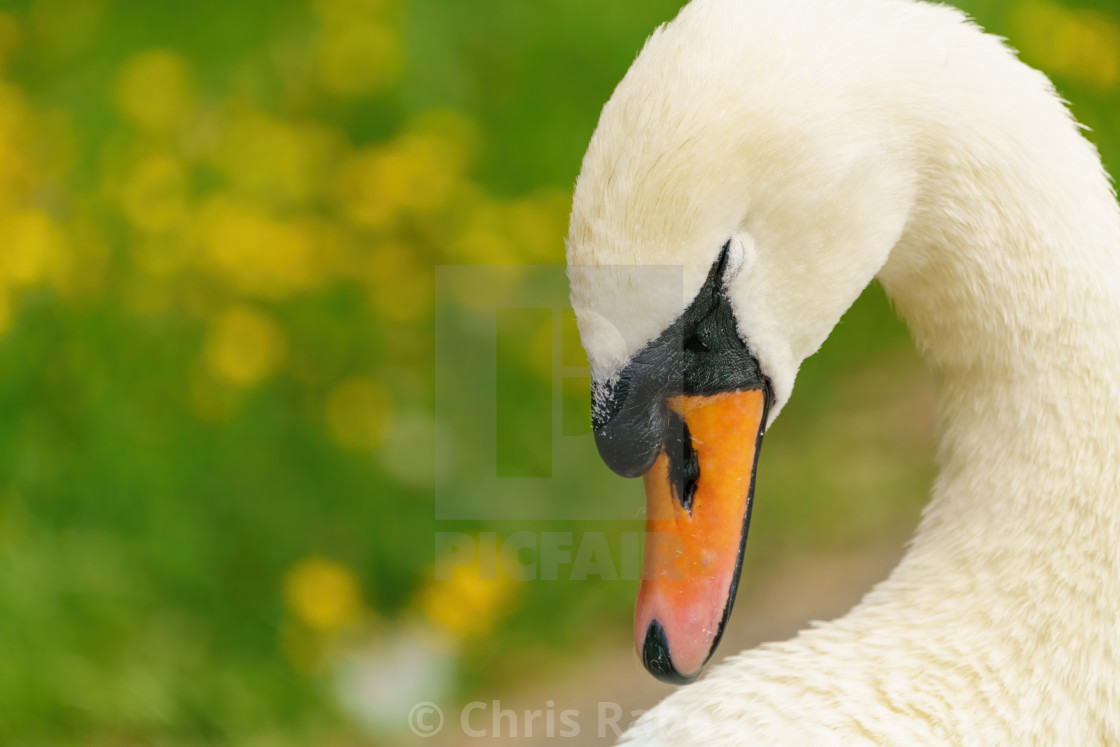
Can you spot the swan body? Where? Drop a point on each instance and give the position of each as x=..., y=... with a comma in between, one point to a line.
x=828, y=143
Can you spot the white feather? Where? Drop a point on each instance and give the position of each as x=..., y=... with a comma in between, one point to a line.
x=855, y=139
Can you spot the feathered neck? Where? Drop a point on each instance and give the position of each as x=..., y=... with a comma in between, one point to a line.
x=1009, y=279
x=999, y=626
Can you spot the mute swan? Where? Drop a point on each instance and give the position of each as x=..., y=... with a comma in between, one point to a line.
x=781, y=154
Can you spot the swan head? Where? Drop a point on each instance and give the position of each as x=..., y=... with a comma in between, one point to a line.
x=743, y=186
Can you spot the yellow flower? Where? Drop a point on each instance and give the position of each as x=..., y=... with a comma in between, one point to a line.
x=1080, y=44
x=457, y=135
x=356, y=54
x=31, y=248
x=538, y=225
x=358, y=59
x=87, y=261
x=358, y=413
x=467, y=603
x=323, y=594
x=400, y=291
x=154, y=195
x=243, y=346
x=154, y=90
x=483, y=289
x=272, y=160
x=258, y=254
x=484, y=246
x=528, y=231
x=419, y=172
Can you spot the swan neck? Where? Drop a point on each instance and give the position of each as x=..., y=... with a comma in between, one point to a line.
x=1010, y=283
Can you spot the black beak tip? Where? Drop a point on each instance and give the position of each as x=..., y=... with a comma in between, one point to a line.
x=655, y=657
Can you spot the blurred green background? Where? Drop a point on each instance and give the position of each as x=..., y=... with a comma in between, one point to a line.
x=220, y=224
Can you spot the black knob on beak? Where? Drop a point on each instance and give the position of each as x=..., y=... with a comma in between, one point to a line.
x=629, y=431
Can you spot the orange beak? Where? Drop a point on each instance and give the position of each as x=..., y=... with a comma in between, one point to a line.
x=698, y=507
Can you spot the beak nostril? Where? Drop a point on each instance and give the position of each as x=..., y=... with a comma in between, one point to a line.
x=684, y=463
x=689, y=495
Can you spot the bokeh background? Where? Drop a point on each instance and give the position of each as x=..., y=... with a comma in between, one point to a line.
x=220, y=227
